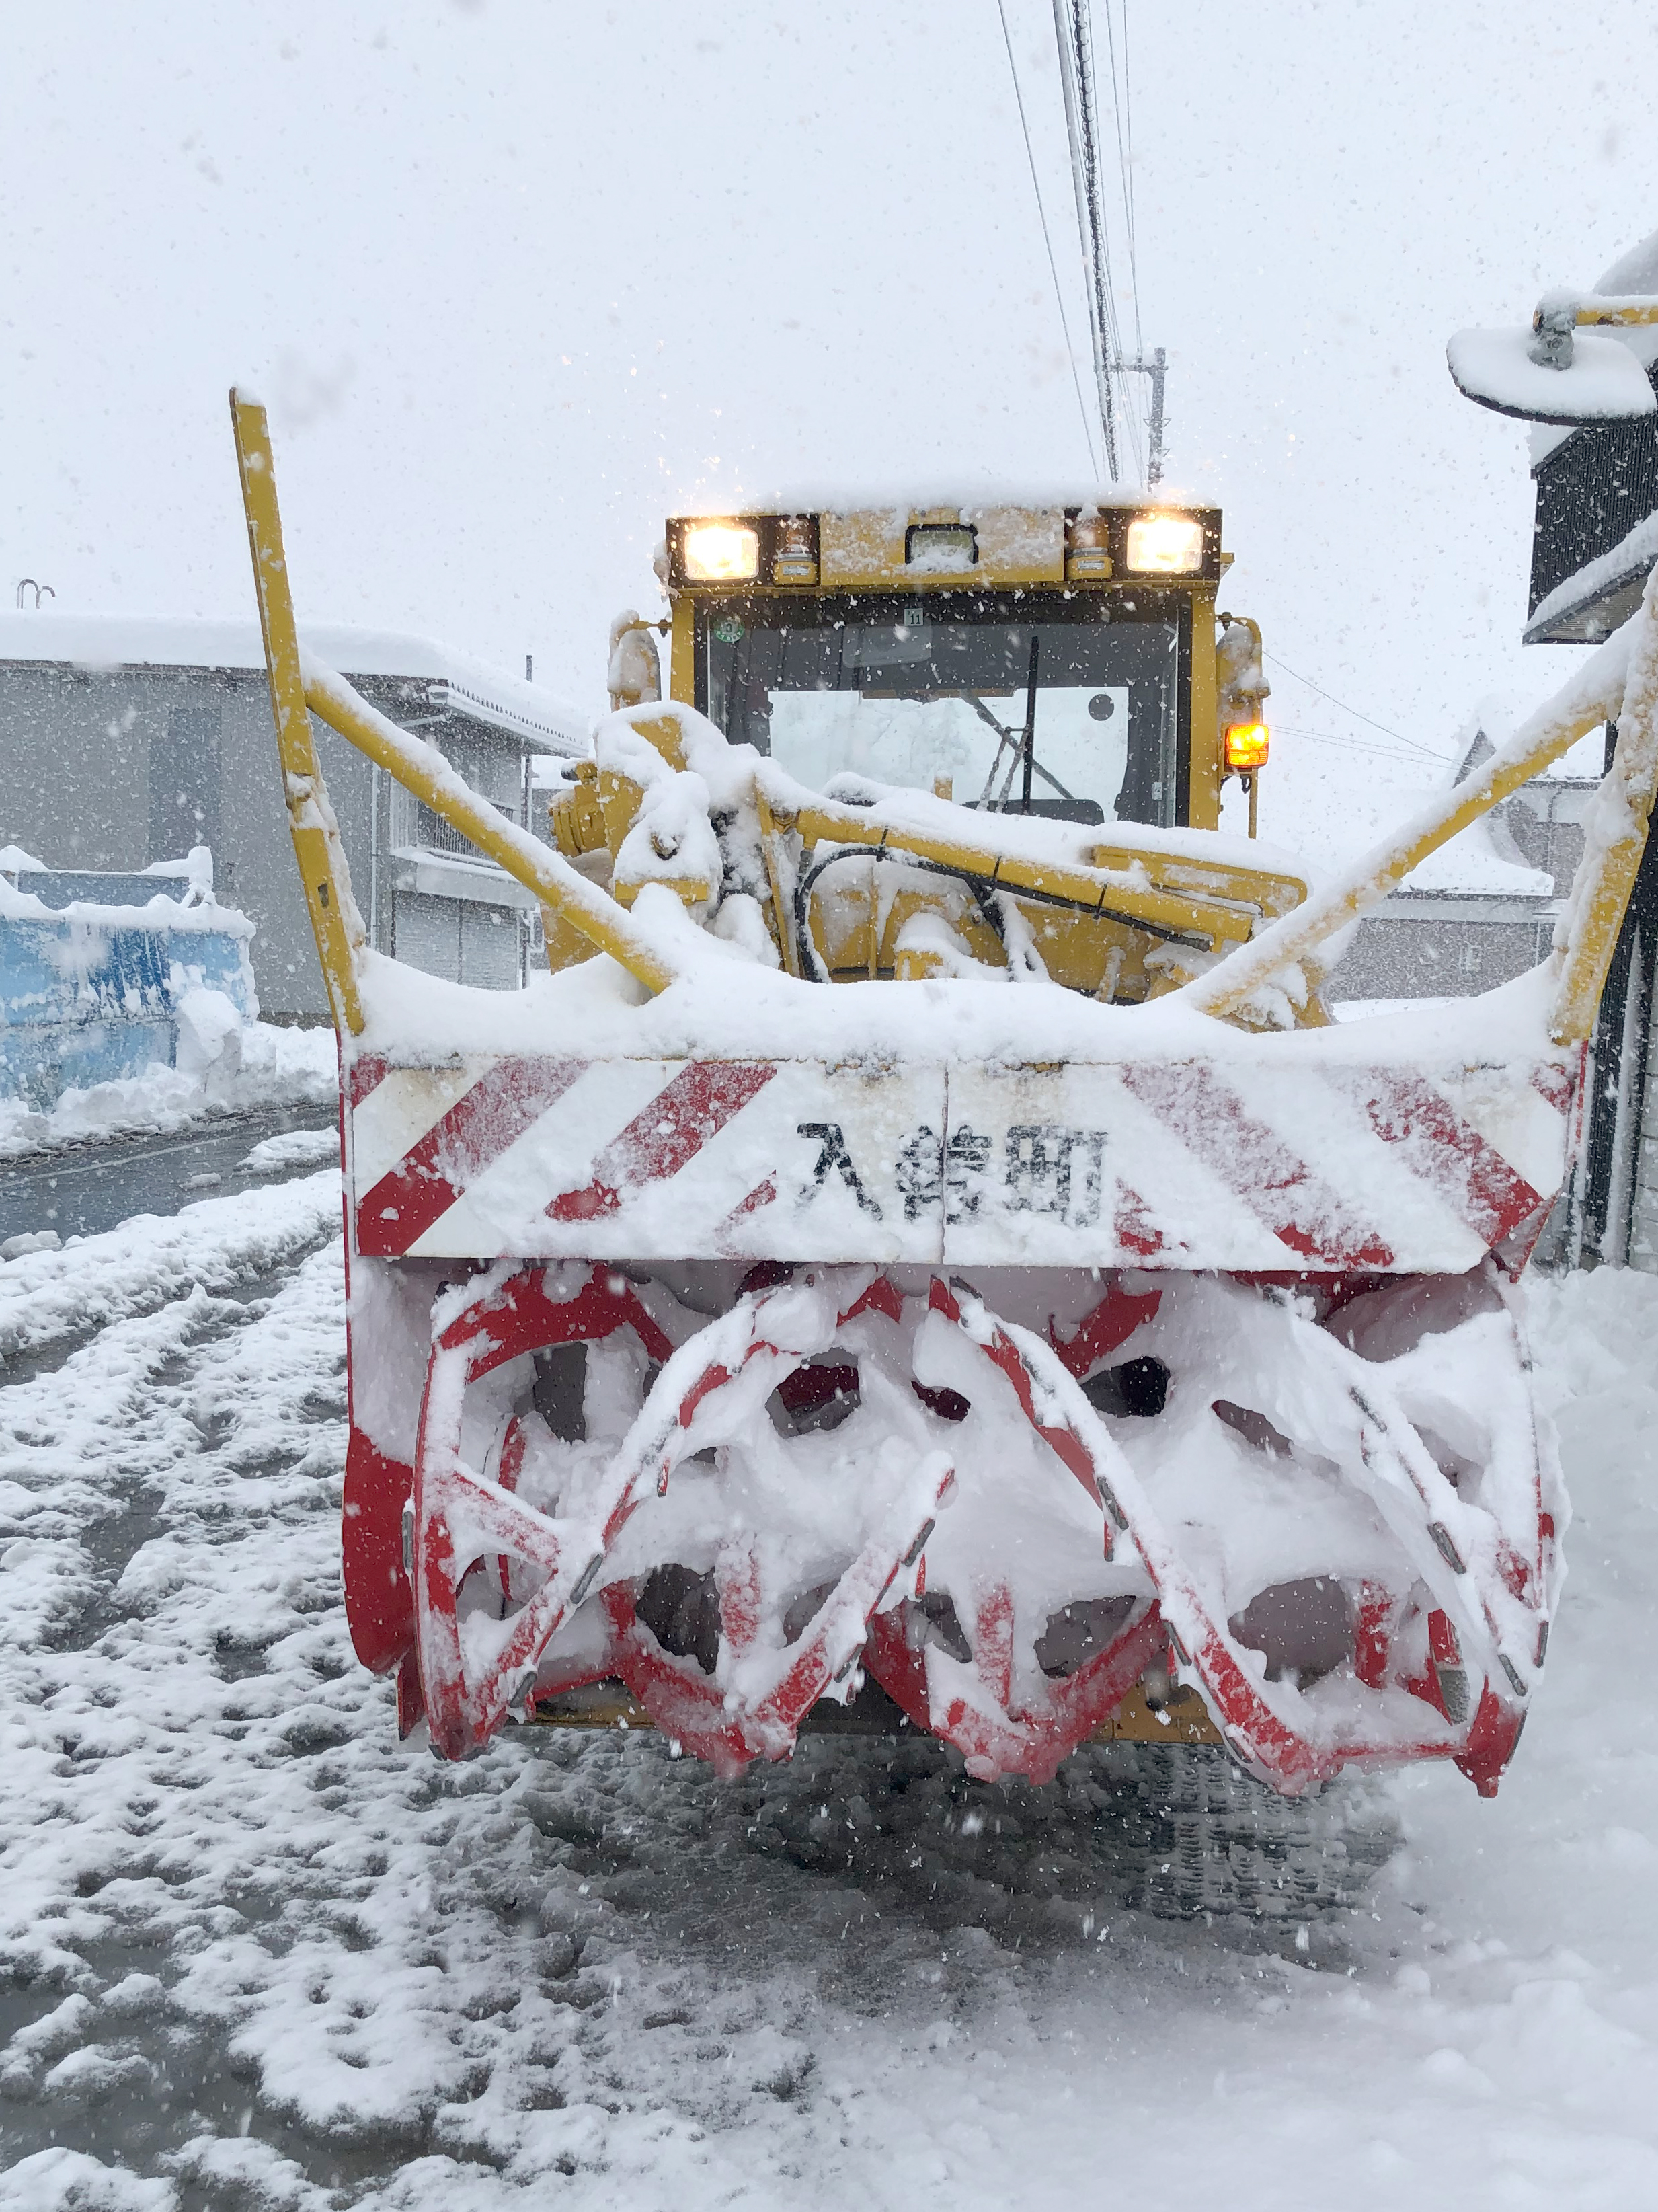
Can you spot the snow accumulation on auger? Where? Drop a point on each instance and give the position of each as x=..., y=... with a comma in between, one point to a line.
x=1379, y=1496
x=259, y=1954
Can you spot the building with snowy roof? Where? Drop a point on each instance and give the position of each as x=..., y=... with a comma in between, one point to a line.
x=1482, y=909
x=1596, y=536
x=128, y=741
x=1593, y=545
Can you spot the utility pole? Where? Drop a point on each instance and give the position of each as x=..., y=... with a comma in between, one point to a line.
x=1158, y=369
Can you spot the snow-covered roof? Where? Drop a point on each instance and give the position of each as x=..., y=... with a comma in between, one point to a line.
x=1499, y=715
x=1471, y=865
x=110, y=642
x=1611, y=585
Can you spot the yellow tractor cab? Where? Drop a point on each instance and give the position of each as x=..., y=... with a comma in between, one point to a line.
x=1058, y=662
x=1004, y=722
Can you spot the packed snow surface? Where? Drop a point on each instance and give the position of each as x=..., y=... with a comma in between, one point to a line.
x=257, y=1953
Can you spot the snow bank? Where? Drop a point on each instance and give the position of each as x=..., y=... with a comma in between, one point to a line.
x=217, y=1243
x=268, y=1066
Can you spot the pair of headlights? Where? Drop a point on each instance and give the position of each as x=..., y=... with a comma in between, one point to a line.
x=729, y=552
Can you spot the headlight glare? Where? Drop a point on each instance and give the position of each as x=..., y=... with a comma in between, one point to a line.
x=722, y=553
x=1165, y=545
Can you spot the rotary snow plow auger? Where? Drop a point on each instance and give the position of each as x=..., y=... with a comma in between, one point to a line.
x=929, y=1261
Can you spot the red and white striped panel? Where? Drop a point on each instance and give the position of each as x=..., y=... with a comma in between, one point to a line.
x=1238, y=1164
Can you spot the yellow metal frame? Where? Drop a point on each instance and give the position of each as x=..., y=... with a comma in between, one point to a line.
x=419, y=768
x=593, y=912
x=1191, y=900
x=1604, y=880
x=335, y=921
x=1205, y=771
x=1238, y=897
x=1600, y=899
x=1592, y=311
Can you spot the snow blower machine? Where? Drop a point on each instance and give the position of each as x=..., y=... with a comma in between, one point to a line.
x=922, y=1256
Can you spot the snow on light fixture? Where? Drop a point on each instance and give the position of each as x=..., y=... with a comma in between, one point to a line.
x=941, y=549
x=1087, y=548
x=1165, y=545
x=796, y=558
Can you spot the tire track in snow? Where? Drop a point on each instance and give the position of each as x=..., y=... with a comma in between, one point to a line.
x=256, y=1945
x=49, y=1300
x=260, y=1954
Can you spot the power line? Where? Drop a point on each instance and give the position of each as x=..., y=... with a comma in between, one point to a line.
x=1397, y=736
x=1131, y=395
x=1130, y=410
x=1052, y=268
x=1083, y=15
x=1354, y=744
x=1124, y=117
x=1076, y=80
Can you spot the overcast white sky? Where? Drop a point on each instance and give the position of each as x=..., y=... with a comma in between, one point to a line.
x=518, y=279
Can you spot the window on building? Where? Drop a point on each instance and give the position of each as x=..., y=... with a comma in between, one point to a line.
x=185, y=783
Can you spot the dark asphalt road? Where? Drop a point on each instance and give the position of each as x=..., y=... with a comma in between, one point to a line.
x=93, y=1187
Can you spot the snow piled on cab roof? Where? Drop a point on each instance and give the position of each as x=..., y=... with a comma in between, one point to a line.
x=112, y=641
x=967, y=495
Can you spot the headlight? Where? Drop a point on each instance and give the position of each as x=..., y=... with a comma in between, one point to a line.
x=722, y=553
x=1165, y=545
x=1247, y=746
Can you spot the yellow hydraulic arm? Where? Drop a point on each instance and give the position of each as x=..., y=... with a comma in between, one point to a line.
x=335, y=921
x=298, y=689
x=1619, y=683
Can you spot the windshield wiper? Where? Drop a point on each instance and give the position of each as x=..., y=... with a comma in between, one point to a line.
x=1015, y=738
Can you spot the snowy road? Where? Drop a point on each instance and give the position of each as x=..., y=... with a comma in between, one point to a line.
x=82, y=1191
x=257, y=1953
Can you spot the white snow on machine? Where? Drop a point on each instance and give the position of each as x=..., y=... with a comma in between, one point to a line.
x=922, y=1255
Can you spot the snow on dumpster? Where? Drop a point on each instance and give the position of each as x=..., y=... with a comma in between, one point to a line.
x=103, y=976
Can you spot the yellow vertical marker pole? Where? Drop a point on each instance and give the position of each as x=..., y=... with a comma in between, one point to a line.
x=334, y=919
x=1619, y=826
x=1205, y=768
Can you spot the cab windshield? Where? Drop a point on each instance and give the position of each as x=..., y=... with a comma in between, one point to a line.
x=1070, y=710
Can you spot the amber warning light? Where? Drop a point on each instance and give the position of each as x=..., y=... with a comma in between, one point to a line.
x=1248, y=745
